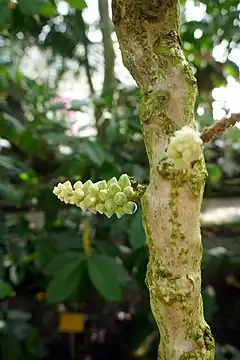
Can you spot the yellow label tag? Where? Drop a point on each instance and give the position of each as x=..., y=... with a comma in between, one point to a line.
x=71, y=323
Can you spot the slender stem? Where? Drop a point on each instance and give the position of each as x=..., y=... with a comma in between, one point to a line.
x=109, y=54
x=86, y=55
x=218, y=127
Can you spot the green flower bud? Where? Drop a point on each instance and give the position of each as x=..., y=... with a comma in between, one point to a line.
x=93, y=189
x=93, y=209
x=130, y=207
x=102, y=185
x=78, y=185
x=82, y=205
x=110, y=205
x=119, y=212
x=78, y=194
x=129, y=192
x=100, y=208
x=109, y=213
x=86, y=185
x=89, y=200
x=112, y=181
x=103, y=195
x=124, y=181
x=120, y=198
x=114, y=188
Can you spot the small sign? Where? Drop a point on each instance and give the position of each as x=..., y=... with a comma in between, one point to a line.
x=71, y=323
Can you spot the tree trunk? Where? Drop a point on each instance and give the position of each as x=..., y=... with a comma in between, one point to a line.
x=148, y=33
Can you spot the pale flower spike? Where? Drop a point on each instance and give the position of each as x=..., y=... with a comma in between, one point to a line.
x=184, y=147
x=114, y=196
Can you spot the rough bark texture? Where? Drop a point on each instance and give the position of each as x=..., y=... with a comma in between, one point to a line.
x=148, y=33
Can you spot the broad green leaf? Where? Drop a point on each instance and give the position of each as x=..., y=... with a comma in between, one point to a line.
x=214, y=173
x=62, y=259
x=8, y=162
x=10, y=347
x=77, y=4
x=11, y=193
x=105, y=275
x=94, y=152
x=1, y=263
x=12, y=123
x=45, y=253
x=137, y=235
x=210, y=305
x=30, y=7
x=5, y=13
x=76, y=105
x=65, y=282
x=48, y=10
x=6, y=289
x=19, y=315
x=58, y=106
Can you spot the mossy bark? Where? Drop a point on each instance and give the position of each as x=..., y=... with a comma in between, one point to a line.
x=148, y=33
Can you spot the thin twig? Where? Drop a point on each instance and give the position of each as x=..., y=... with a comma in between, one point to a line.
x=218, y=127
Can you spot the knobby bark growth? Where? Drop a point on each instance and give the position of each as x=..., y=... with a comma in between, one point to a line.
x=148, y=33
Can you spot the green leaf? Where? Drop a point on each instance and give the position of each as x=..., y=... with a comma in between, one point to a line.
x=1, y=263
x=5, y=13
x=65, y=282
x=77, y=4
x=48, y=10
x=58, y=106
x=210, y=305
x=8, y=162
x=107, y=276
x=76, y=105
x=214, y=173
x=6, y=289
x=30, y=7
x=137, y=235
x=10, y=347
x=94, y=152
x=62, y=259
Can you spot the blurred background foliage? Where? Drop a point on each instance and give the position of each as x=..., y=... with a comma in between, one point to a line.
x=66, y=112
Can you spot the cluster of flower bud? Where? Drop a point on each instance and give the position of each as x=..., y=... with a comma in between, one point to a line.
x=184, y=147
x=112, y=197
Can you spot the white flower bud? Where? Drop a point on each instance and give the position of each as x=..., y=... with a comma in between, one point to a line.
x=67, y=186
x=78, y=185
x=128, y=191
x=130, y=208
x=119, y=212
x=114, y=188
x=103, y=195
x=185, y=147
x=124, y=181
x=56, y=190
x=120, y=198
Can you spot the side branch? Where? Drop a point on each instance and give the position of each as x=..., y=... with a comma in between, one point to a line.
x=218, y=127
